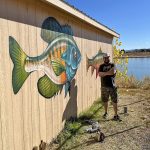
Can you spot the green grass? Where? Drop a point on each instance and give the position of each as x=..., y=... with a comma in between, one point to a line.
x=77, y=126
x=92, y=112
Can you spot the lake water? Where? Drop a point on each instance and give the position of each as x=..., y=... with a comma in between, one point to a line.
x=139, y=67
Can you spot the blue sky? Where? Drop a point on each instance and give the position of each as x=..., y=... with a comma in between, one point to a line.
x=130, y=18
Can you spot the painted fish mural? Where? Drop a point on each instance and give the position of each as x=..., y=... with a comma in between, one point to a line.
x=95, y=62
x=59, y=61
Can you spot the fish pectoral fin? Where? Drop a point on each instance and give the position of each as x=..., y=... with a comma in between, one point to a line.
x=58, y=67
x=47, y=88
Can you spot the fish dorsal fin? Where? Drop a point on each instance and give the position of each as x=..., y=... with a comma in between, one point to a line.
x=67, y=30
x=98, y=53
x=50, y=29
x=100, y=50
x=47, y=88
x=58, y=67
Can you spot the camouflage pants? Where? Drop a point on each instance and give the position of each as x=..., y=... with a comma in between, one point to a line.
x=109, y=91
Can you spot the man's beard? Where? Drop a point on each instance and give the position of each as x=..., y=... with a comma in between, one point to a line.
x=106, y=62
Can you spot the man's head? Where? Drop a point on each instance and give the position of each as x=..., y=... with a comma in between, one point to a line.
x=106, y=58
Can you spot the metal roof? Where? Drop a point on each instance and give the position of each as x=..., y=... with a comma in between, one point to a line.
x=81, y=15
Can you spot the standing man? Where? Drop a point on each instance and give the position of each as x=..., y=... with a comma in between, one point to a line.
x=107, y=72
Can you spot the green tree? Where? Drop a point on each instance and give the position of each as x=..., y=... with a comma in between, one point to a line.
x=120, y=61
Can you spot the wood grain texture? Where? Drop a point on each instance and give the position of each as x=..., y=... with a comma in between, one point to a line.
x=17, y=113
x=1, y=87
x=27, y=117
x=24, y=43
x=34, y=76
x=6, y=101
x=40, y=50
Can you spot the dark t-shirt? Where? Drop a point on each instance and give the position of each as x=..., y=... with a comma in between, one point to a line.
x=109, y=80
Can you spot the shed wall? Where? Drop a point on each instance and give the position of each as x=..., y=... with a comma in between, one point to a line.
x=27, y=117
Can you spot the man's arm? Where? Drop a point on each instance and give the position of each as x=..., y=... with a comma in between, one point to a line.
x=112, y=71
x=102, y=74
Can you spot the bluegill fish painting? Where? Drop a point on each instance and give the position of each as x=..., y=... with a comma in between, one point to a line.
x=59, y=61
x=95, y=62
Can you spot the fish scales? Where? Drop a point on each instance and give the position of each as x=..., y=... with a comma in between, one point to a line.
x=59, y=61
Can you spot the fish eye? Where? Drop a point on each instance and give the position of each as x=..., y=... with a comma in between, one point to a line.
x=75, y=54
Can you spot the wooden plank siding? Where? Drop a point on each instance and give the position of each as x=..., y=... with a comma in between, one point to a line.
x=27, y=117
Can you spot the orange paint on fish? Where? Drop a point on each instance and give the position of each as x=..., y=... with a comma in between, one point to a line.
x=63, y=77
x=59, y=54
x=63, y=62
x=63, y=48
x=56, y=54
x=53, y=61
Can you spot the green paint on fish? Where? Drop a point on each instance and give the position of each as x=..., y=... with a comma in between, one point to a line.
x=25, y=65
x=47, y=88
x=95, y=62
x=19, y=75
x=57, y=67
x=57, y=61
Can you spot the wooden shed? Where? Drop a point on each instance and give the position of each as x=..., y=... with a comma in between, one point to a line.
x=33, y=107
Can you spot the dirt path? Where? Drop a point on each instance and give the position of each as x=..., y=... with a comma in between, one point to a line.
x=132, y=133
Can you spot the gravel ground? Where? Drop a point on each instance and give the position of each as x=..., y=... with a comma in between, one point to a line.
x=132, y=133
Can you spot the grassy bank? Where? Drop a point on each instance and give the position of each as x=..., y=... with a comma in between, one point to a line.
x=132, y=82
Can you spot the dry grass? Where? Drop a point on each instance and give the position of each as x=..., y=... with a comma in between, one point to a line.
x=132, y=82
x=146, y=83
x=133, y=132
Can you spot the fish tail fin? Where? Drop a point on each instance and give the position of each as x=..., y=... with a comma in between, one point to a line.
x=97, y=72
x=87, y=63
x=18, y=57
x=92, y=70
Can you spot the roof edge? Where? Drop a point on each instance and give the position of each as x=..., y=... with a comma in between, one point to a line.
x=77, y=13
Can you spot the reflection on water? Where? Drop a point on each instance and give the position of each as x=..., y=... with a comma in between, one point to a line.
x=139, y=67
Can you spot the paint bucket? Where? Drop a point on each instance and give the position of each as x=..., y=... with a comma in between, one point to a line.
x=100, y=136
x=125, y=110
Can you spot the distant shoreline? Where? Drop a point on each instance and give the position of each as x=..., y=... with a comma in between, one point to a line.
x=135, y=55
x=132, y=57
